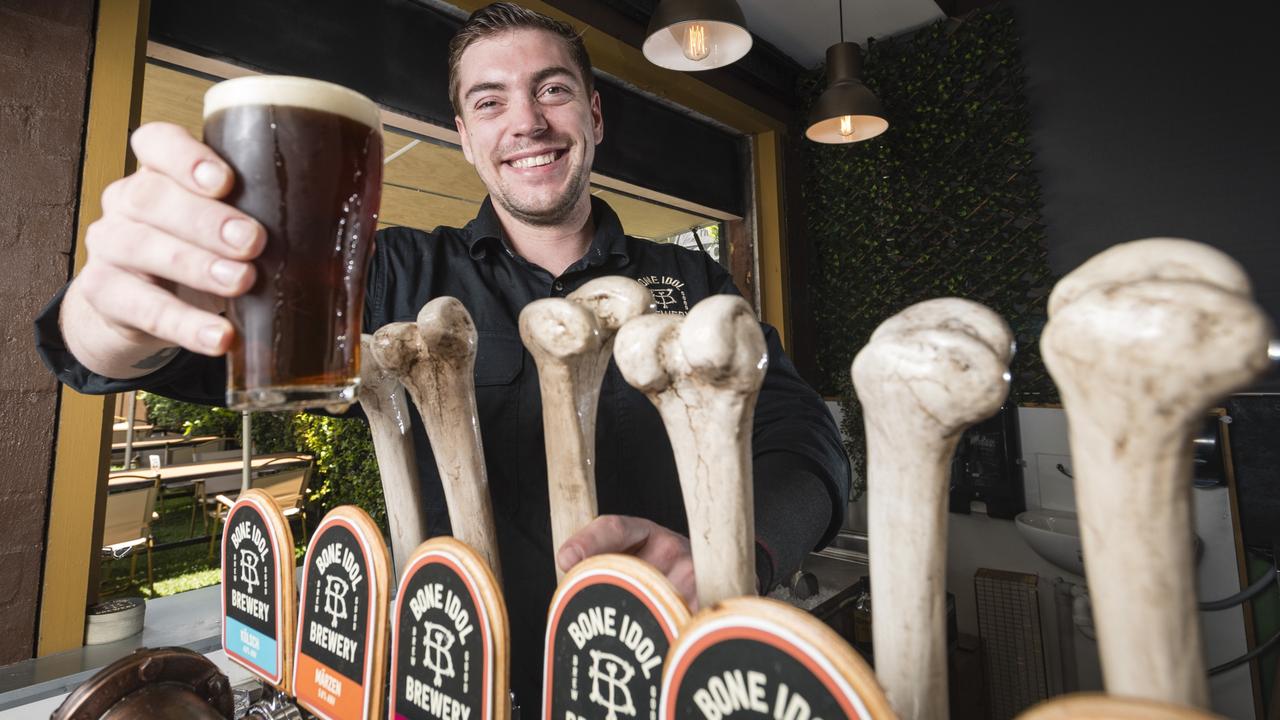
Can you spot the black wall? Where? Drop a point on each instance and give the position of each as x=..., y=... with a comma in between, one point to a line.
x=1156, y=118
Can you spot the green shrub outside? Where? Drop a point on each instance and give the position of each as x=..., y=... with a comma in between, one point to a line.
x=345, y=463
x=346, y=470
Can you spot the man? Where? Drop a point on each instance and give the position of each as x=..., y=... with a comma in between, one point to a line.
x=143, y=313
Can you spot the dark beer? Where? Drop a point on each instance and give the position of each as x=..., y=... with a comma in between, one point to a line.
x=308, y=162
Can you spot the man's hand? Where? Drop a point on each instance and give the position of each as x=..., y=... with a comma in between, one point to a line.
x=162, y=258
x=665, y=550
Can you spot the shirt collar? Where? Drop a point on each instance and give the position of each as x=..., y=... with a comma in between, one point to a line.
x=486, y=230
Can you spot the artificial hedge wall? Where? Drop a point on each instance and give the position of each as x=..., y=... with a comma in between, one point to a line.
x=944, y=203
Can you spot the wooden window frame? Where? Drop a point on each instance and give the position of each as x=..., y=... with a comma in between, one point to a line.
x=79, y=479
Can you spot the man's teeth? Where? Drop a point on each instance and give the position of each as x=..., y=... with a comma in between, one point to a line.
x=535, y=161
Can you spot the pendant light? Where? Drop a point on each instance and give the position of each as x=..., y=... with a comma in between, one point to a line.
x=696, y=34
x=847, y=111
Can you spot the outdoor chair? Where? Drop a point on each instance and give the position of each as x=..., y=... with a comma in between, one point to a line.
x=287, y=487
x=126, y=524
x=203, y=491
x=206, y=496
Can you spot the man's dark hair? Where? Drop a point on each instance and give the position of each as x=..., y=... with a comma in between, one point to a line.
x=501, y=17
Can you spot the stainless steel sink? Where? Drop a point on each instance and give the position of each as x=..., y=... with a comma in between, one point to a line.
x=847, y=546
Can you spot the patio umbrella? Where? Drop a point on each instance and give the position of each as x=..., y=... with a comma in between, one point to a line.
x=131, y=415
x=246, y=443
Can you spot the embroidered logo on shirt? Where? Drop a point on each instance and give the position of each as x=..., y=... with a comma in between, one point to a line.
x=668, y=294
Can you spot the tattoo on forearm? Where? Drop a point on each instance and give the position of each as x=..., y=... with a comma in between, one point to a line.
x=158, y=360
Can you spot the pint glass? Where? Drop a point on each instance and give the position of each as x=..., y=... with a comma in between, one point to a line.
x=307, y=156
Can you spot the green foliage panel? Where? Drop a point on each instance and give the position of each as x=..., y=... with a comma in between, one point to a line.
x=945, y=203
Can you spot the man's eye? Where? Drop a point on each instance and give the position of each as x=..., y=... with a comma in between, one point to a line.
x=555, y=92
x=486, y=104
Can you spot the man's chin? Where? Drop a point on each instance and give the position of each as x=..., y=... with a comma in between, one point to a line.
x=542, y=217
x=553, y=211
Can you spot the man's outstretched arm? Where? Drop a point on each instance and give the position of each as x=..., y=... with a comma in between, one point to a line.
x=162, y=259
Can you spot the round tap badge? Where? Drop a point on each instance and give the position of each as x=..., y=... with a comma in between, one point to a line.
x=340, y=664
x=257, y=588
x=608, y=630
x=752, y=658
x=449, y=637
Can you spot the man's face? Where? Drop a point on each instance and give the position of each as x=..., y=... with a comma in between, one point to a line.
x=527, y=123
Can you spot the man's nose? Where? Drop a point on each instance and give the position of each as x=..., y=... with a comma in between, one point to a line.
x=527, y=117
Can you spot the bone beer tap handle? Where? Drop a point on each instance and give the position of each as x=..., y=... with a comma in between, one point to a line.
x=571, y=340
x=385, y=405
x=927, y=373
x=1141, y=340
x=703, y=373
x=434, y=359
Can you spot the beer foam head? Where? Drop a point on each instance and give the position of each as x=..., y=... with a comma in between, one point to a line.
x=281, y=90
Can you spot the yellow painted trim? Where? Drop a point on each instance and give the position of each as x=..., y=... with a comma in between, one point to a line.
x=615, y=57
x=84, y=422
x=771, y=276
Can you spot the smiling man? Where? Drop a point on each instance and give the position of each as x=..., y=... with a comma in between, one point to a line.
x=529, y=118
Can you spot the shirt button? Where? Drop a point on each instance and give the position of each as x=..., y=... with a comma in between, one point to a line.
x=557, y=286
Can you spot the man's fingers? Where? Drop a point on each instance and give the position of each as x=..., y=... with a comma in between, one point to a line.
x=170, y=150
x=683, y=580
x=605, y=534
x=663, y=549
x=138, y=306
x=667, y=551
x=152, y=198
x=144, y=249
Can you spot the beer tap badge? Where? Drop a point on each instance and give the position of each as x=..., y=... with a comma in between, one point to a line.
x=257, y=572
x=449, y=637
x=755, y=658
x=610, y=625
x=341, y=623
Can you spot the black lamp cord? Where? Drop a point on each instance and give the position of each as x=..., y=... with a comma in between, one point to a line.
x=1254, y=590
x=1244, y=595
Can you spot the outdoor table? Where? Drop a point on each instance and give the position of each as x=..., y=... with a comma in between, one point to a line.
x=167, y=441
x=187, y=472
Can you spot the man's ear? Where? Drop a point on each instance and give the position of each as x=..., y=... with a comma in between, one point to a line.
x=465, y=139
x=597, y=119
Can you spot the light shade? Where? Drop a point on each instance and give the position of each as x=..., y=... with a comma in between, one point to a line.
x=847, y=111
x=696, y=34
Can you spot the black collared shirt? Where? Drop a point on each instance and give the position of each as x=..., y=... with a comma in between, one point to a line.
x=801, y=472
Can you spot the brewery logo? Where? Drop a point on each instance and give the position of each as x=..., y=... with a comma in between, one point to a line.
x=749, y=668
x=249, y=568
x=334, y=632
x=609, y=677
x=335, y=598
x=250, y=606
x=605, y=645
x=437, y=641
x=443, y=646
x=668, y=294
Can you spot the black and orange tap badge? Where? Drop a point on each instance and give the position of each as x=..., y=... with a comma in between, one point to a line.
x=759, y=658
x=341, y=627
x=610, y=625
x=448, y=656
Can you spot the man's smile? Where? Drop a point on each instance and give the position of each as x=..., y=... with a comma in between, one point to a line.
x=537, y=160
